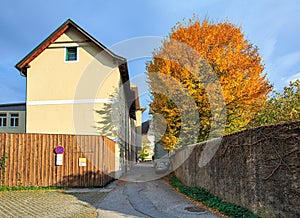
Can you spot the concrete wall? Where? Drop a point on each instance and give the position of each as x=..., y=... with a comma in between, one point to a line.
x=257, y=168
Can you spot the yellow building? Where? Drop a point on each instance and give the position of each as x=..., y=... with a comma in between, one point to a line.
x=70, y=77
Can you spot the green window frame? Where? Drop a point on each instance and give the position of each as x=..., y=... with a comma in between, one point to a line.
x=71, y=54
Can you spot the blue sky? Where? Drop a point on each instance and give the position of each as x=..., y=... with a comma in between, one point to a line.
x=272, y=25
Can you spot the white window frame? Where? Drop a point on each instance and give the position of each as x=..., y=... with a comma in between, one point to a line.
x=2, y=117
x=14, y=118
x=77, y=53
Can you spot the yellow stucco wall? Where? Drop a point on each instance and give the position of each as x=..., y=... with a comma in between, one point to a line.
x=62, y=96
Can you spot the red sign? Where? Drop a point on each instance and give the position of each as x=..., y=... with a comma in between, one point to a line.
x=59, y=150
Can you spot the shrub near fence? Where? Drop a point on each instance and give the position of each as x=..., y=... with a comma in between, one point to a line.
x=31, y=160
x=257, y=168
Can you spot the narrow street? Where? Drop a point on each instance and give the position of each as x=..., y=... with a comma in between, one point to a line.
x=152, y=198
x=140, y=193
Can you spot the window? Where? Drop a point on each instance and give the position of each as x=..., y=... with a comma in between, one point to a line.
x=14, y=120
x=71, y=54
x=3, y=120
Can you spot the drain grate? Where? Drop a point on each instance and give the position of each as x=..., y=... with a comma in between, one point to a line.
x=195, y=209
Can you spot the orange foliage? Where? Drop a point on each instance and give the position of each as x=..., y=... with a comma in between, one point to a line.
x=195, y=54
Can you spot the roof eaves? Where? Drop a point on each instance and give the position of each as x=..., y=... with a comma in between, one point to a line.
x=52, y=37
x=42, y=46
x=12, y=104
x=122, y=59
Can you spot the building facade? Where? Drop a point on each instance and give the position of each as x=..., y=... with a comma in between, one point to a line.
x=13, y=118
x=70, y=80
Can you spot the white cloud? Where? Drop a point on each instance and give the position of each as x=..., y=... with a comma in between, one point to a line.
x=283, y=69
x=287, y=62
x=292, y=78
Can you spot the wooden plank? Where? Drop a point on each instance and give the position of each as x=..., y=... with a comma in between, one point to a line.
x=44, y=163
x=76, y=172
x=92, y=161
x=2, y=144
x=50, y=160
x=84, y=152
x=12, y=170
x=89, y=157
x=66, y=166
x=81, y=169
x=19, y=159
x=71, y=153
x=11, y=176
x=37, y=159
x=102, y=161
x=31, y=161
x=16, y=160
x=26, y=160
x=41, y=165
x=96, y=162
x=99, y=156
x=71, y=148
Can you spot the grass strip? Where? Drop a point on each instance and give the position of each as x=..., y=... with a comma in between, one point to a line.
x=29, y=188
x=211, y=201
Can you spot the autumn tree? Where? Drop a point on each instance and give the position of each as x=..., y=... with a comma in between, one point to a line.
x=280, y=107
x=211, y=63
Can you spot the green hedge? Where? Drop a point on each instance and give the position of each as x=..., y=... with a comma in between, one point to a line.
x=211, y=201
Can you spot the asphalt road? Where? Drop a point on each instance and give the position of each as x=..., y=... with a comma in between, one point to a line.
x=153, y=198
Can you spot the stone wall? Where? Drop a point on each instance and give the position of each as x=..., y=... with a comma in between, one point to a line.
x=257, y=168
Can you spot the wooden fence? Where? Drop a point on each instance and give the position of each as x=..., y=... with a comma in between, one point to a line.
x=31, y=160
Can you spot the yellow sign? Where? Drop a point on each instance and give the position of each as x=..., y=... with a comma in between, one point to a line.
x=82, y=162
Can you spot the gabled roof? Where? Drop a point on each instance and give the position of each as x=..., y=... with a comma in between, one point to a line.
x=24, y=63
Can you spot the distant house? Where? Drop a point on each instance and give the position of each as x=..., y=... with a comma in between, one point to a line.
x=12, y=118
x=70, y=76
x=148, y=139
x=137, y=111
x=157, y=151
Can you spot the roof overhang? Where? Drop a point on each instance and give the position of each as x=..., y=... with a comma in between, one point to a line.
x=23, y=64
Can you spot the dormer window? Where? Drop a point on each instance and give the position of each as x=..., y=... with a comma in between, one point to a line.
x=71, y=54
